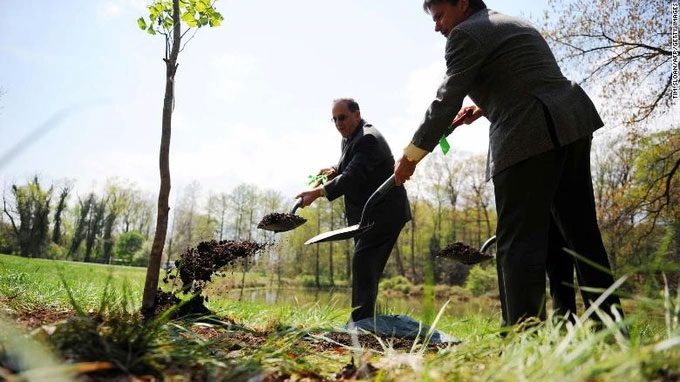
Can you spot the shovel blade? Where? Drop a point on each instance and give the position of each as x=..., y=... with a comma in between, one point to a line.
x=339, y=234
x=281, y=227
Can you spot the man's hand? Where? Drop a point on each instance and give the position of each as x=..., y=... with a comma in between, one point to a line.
x=308, y=197
x=475, y=113
x=329, y=173
x=403, y=170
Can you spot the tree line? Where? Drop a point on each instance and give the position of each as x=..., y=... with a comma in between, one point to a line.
x=450, y=201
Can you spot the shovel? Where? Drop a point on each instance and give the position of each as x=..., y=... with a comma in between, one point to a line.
x=364, y=225
x=279, y=222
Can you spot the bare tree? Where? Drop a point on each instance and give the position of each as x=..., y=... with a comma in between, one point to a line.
x=620, y=46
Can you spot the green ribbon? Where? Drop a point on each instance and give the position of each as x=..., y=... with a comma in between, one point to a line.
x=311, y=179
x=444, y=144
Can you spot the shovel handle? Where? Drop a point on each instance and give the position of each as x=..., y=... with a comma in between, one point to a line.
x=376, y=196
x=296, y=206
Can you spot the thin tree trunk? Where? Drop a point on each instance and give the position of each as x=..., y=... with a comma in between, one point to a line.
x=245, y=260
x=397, y=259
x=153, y=271
x=330, y=256
x=318, y=231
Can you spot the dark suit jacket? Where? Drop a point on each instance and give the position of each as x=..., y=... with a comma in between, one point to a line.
x=507, y=69
x=366, y=162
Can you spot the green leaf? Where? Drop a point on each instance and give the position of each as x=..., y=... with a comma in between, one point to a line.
x=141, y=23
x=151, y=31
x=189, y=19
x=203, y=20
x=201, y=7
x=216, y=19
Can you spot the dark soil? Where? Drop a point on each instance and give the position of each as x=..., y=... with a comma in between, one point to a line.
x=200, y=263
x=367, y=341
x=463, y=254
x=43, y=316
x=166, y=300
x=276, y=220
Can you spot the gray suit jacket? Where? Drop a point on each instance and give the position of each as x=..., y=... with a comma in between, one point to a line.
x=507, y=69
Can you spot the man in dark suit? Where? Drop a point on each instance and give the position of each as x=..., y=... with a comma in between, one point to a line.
x=539, y=148
x=366, y=162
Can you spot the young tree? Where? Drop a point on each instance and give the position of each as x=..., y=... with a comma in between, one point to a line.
x=164, y=18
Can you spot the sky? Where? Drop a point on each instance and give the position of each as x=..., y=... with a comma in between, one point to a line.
x=253, y=96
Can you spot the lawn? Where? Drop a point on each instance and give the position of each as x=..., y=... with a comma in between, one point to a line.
x=281, y=342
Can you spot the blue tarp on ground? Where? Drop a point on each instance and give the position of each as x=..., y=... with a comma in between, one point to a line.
x=402, y=326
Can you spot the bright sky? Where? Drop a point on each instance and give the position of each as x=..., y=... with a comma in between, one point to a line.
x=253, y=97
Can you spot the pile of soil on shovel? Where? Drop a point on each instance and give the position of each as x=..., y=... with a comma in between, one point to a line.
x=463, y=254
x=278, y=218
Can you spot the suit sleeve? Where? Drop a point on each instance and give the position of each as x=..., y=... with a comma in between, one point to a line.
x=464, y=57
x=362, y=163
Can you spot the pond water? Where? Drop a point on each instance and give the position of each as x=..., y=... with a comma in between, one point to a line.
x=387, y=304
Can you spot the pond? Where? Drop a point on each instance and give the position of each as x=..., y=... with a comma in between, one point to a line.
x=387, y=304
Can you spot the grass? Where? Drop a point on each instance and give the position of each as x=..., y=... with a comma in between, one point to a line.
x=253, y=339
x=33, y=283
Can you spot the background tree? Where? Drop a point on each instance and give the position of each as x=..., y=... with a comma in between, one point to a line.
x=620, y=47
x=82, y=213
x=29, y=217
x=127, y=246
x=59, y=210
x=164, y=18
x=94, y=226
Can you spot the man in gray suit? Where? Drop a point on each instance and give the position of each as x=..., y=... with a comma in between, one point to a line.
x=539, y=148
x=366, y=162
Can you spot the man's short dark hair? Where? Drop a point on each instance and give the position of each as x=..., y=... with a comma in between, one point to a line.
x=476, y=5
x=352, y=105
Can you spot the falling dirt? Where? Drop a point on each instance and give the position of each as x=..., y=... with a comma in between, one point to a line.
x=197, y=265
x=463, y=254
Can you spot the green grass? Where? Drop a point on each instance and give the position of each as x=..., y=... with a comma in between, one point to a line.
x=32, y=283
x=547, y=352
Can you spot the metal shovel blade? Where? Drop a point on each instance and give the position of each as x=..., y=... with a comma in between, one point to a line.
x=339, y=234
x=280, y=222
x=288, y=224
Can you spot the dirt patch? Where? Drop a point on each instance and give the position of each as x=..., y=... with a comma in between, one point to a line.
x=366, y=341
x=463, y=254
x=44, y=316
x=280, y=222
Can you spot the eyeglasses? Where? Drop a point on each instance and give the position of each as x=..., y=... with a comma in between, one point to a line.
x=339, y=118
